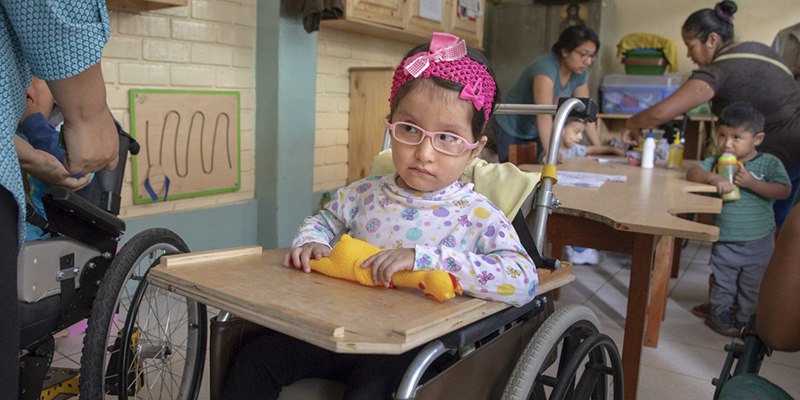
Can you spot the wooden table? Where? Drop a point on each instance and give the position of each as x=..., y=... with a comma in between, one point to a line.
x=338, y=315
x=638, y=218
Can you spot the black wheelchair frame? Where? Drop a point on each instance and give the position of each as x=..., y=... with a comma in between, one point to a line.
x=127, y=347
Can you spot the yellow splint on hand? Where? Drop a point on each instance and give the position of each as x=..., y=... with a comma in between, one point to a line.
x=347, y=256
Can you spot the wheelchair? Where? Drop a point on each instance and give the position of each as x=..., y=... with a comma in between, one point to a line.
x=748, y=358
x=530, y=352
x=140, y=341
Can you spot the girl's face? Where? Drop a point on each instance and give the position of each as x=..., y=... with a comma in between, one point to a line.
x=572, y=134
x=701, y=53
x=435, y=109
x=579, y=59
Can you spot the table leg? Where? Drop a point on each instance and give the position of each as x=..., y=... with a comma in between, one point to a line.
x=676, y=257
x=659, y=292
x=642, y=263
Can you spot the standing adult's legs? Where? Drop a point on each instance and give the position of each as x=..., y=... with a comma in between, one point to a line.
x=781, y=207
x=9, y=317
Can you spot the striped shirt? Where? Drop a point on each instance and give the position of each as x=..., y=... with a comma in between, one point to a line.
x=750, y=217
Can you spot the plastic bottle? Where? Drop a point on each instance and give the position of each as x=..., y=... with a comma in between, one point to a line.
x=675, y=159
x=727, y=167
x=662, y=149
x=648, y=151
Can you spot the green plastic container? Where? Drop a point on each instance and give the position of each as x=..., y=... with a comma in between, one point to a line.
x=644, y=62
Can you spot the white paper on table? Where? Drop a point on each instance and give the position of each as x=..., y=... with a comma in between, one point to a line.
x=430, y=9
x=587, y=179
x=603, y=160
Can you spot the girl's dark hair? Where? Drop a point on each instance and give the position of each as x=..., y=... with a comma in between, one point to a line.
x=573, y=37
x=708, y=20
x=479, y=127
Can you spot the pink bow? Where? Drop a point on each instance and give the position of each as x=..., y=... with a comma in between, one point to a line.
x=473, y=93
x=444, y=47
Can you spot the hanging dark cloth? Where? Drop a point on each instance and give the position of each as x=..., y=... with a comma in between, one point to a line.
x=315, y=11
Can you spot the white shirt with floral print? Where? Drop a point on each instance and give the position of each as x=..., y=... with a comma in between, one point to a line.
x=454, y=229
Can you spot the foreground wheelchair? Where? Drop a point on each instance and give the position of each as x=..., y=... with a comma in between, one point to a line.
x=531, y=352
x=743, y=377
x=140, y=341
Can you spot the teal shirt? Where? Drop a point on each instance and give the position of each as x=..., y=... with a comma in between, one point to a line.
x=750, y=217
x=524, y=126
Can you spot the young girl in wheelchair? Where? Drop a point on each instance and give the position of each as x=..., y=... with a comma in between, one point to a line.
x=425, y=219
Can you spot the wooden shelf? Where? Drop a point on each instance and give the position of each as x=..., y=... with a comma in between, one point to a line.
x=696, y=135
x=399, y=20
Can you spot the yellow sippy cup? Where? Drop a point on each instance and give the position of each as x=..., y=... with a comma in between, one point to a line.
x=727, y=167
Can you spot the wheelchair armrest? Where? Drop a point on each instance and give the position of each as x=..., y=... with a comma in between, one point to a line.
x=480, y=329
x=65, y=209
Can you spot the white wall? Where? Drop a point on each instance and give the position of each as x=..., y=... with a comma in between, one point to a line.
x=207, y=45
x=337, y=52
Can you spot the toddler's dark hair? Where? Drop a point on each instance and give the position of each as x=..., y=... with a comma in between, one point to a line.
x=573, y=37
x=742, y=114
x=478, y=122
x=703, y=22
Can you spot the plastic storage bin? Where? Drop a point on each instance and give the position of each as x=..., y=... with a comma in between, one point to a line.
x=629, y=94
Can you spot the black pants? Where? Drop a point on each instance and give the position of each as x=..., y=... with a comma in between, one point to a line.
x=265, y=365
x=9, y=316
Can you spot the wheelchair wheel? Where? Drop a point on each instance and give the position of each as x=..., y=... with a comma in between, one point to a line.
x=564, y=341
x=142, y=341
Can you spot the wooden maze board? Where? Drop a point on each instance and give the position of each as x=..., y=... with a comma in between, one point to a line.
x=189, y=143
x=334, y=314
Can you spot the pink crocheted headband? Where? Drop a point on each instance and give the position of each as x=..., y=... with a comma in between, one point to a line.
x=447, y=60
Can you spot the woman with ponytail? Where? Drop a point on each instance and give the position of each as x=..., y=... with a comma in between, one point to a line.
x=731, y=71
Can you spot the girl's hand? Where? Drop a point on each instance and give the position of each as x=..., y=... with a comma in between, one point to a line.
x=723, y=185
x=744, y=178
x=387, y=262
x=298, y=256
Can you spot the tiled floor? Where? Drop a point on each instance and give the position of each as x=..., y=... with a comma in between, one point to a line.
x=688, y=356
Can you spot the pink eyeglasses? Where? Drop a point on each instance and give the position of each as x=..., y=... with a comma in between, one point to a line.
x=443, y=142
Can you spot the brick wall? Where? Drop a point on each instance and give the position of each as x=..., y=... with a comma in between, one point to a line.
x=338, y=51
x=207, y=45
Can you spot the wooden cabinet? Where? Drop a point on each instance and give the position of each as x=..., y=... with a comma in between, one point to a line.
x=142, y=5
x=368, y=109
x=400, y=20
x=468, y=29
x=391, y=13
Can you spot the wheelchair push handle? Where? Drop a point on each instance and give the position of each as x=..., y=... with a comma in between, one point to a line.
x=109, y=183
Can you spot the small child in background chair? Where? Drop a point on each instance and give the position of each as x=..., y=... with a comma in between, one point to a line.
x=571, y=136
x=570, y=147
x=746, y=226
x=442, y=98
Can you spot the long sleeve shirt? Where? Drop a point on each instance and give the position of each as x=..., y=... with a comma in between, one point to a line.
x=454, y=229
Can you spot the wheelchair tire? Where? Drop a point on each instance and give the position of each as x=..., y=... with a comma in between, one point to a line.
x=568, y=327
x=158, y=338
